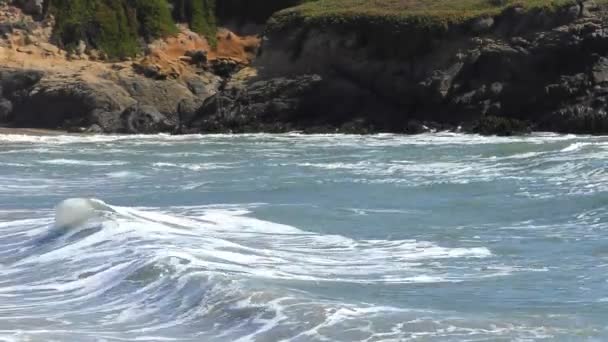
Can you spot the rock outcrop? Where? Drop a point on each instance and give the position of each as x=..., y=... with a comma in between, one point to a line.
x=518, y=71
x=543, y=68
x=119, y=103
x=275, y=105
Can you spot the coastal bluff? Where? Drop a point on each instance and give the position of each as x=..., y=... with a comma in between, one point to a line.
x=481, y=66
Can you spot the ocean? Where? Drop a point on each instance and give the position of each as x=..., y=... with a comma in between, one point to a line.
x=434, y=237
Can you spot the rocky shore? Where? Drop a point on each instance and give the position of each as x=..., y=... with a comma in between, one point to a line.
x=510, y=73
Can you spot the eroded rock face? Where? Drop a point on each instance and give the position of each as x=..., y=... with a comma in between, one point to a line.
x=119, y=103
x=273, y=105
x=59, y=102
x=547, y=70
x=13, y=80
x=508, y=74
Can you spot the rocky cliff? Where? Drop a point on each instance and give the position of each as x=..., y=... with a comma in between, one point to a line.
x=504, y=68
x=518, y=70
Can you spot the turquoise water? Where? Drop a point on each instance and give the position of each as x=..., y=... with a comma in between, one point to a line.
x=438, y=237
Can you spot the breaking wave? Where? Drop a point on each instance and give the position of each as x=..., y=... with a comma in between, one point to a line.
x=215, y=271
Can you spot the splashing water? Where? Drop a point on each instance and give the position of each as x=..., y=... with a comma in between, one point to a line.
x=303, y=238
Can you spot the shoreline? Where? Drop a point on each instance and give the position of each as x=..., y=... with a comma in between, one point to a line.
x=511, y=74
x=32, y=131
x=59, y=132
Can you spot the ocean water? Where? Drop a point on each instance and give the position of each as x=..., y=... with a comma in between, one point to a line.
x=438, y=237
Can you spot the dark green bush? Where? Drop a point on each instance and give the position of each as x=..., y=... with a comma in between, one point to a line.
x=154, y=18
x=73, y=20
x=115, y=26
x=115, y=29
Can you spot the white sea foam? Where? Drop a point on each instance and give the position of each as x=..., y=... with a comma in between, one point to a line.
x=222, y=273
x=83, y=162
x=124, y=174
x=576, y=146
x=193, y=167
x=430, y=139
x=228, y=241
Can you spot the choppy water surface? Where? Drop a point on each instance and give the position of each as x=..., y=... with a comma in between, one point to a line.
x=306, y=238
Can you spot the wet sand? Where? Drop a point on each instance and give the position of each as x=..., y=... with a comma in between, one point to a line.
x=31, y=131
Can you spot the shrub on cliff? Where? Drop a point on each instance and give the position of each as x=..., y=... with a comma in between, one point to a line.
x=154, y=18
x=116, y=26
x=114, y=29
x=72, y=20
x=109, y=25
x=199, y=14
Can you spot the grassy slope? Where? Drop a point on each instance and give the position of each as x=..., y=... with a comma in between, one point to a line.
x=408, y=12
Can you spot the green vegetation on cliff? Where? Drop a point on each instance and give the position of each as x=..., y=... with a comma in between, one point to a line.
x=199, y=14
x=202, y=19
x=116, y=29
x=154, y=18
x=406, y=13
x=117, y=26
x=108, y=25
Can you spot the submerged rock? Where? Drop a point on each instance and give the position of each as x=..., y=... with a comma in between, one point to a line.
x=493, y=125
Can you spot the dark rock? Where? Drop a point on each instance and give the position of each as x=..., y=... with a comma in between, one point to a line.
x=224, y=67
x=107, y=121
x=568, y=86
x=187, y=111
x=6, y=108
x=94, y=129
x=197, y=57
x=6, y=29
x=577, y=118
x=541, y=68
x=416, y=127
x=165, y=95
x=493, y=125
x=536, y=66
x=258, y=106
x=599, y=71
x=12, y=80
x=149, y=70
x=140, y=119
x=484, y=24
x=203, y=86
x=76, y=129
x=33, y=7
x=56, y=102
